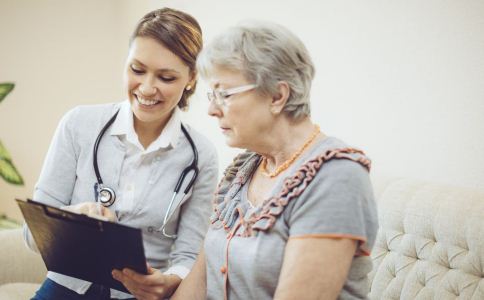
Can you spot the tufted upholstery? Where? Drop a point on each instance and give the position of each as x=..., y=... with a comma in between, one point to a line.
x=430, y=244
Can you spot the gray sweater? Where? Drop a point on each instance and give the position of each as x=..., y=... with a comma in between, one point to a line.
x=321, y=196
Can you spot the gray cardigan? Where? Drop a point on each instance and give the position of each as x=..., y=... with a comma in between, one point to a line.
x=68, y=177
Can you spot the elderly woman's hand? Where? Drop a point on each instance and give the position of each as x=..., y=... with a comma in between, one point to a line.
x=92, y=209
x=153, y=286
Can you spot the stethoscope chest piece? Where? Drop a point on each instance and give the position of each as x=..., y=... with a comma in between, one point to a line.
x=106, y=196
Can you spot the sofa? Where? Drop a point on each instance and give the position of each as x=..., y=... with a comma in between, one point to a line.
x=21, y=270
x=430, y=245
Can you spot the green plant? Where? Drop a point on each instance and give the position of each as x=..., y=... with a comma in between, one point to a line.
x=6, y=223
x=7, y=169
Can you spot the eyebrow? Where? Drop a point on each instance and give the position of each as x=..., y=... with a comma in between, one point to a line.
x=159, y=70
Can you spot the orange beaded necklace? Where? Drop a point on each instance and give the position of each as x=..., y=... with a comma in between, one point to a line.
x=289, y=162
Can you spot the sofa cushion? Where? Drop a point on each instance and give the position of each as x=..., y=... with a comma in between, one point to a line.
x=18, y=263
x=430, y=243
x=18, y=291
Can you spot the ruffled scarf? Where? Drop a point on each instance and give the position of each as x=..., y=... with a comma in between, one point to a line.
x=228, y=206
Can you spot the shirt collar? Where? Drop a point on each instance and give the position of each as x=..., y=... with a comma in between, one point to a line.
x=120, y=125
x=123, y=125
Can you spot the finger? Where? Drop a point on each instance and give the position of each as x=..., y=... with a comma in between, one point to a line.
x=83, y=208
x=129, y=283
x=133, y=287
x=80, y=208
x=150, y=269
x=92, y=211
x=152, y=279
x=118, y=275
x=137, y=277
x=153, y=293
x=142, y=295
x=107, y=213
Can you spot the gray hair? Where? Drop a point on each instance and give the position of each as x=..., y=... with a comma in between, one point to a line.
x=265, y=53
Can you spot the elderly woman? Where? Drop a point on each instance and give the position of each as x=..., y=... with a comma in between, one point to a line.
x=294, y=217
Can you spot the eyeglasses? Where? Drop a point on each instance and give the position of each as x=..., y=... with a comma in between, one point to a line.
x=219, y=96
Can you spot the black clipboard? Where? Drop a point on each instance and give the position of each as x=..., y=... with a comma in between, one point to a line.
x=81, y=246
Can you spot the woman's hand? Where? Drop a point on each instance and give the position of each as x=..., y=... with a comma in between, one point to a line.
x=153, y=286
x=92, y=209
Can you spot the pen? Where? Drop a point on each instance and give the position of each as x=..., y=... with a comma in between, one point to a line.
x=99, y=209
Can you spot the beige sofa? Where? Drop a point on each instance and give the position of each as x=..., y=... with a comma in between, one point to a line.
x=430, y=246
x=21, y=270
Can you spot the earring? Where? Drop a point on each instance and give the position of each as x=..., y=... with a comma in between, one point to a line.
x=189, y=87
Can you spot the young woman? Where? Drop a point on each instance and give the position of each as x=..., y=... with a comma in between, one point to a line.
x=141, y=149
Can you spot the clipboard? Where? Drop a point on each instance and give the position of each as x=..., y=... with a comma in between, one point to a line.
x=83, y=247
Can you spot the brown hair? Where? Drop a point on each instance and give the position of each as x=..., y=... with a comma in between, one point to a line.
x=177, y=31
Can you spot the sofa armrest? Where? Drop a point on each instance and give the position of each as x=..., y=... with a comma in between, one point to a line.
x=18, y=263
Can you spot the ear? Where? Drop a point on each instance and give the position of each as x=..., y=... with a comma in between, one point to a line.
x=279, y=99
x=192, y=78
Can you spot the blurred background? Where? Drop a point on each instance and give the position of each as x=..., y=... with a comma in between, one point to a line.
x=402, y=80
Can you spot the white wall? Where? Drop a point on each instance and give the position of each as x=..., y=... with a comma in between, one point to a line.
x=60, y=53
x=402, y=80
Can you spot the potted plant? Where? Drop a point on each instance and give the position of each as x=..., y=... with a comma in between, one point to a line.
x=7, y=168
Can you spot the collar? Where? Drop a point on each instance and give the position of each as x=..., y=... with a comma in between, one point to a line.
x=123, y=126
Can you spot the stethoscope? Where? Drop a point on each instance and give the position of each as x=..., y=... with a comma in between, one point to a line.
x=106, y=195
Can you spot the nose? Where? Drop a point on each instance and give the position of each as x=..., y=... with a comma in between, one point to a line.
x=214, y=110
x=147, y=88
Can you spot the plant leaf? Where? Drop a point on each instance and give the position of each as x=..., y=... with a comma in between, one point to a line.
x=5, y=89
x=4, y=153
x=9, y=173
x=6, y=223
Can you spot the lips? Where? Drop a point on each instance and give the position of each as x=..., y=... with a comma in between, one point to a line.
x=146, y=102
x=225, y=130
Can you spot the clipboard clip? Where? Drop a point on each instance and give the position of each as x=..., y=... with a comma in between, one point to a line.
x=61, y=214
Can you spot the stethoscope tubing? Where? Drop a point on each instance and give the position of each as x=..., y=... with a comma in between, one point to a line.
x=106, y=196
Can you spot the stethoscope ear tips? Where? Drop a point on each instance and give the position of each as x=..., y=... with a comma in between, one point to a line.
x=106, y=196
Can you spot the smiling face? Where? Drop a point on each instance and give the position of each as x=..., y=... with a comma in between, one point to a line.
x=245, y=118
x=155, y=79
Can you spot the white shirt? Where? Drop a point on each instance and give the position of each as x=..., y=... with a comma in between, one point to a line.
x=144, y=180
x=140, y=164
